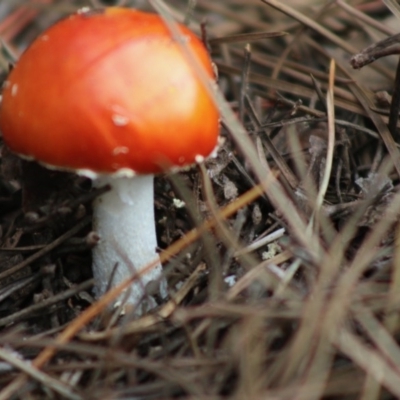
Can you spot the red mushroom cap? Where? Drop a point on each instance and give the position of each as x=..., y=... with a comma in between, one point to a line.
x=108, y=91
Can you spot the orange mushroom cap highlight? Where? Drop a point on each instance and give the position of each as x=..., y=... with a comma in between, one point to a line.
x=108, y=91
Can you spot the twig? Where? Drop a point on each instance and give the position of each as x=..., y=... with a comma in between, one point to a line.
x=24, y=313
x=46, y=249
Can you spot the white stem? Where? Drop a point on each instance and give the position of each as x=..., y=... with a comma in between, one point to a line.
x=124, y=220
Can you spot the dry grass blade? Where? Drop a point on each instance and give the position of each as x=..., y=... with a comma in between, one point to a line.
x=393, y=7
x=287, y=174
x=366, y=101
x=347, y=102
x=392, y=319
x=383, y=342
x=59, y=387
x=369, y=360
x=314, y=25
x=311, y=24
x=331, y=140
x=247, y=37
x=364, y=18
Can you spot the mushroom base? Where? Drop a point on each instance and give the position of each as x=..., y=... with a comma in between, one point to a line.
x=124, y=220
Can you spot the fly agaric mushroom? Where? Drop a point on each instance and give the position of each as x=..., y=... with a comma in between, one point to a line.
x=112, y=96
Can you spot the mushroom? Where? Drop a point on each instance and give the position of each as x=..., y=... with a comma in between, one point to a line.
x=110, y=94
